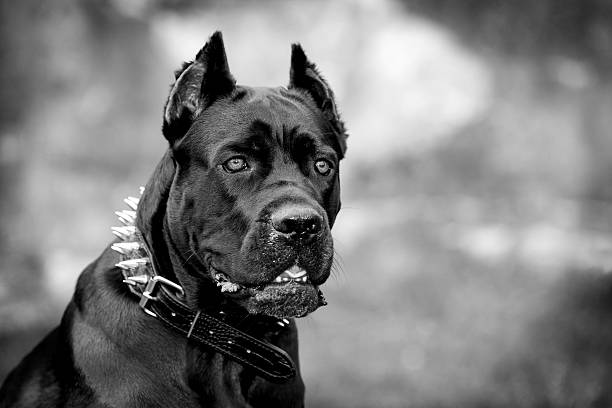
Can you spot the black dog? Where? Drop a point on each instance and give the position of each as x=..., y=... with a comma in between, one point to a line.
x=230, y=240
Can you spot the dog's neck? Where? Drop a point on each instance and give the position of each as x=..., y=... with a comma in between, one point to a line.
x=140, y=262
x=217, y=324
x=192, y=375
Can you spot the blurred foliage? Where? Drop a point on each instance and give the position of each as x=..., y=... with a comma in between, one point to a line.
x=577, y=28
x=476, y=231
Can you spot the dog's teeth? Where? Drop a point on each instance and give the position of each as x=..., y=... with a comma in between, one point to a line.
x=141, y=189
x=229, y=287
x=221, y=278
x=285, y=321
x=132, y=263
x=294, y=272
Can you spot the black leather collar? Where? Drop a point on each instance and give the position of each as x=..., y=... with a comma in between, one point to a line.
x=267, y=360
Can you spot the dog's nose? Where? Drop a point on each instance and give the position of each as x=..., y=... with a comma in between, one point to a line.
x=297, y=221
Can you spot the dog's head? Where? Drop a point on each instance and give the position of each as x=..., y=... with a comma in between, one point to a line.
x=242, y=204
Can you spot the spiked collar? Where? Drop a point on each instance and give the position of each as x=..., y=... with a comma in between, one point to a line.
x=164, y=300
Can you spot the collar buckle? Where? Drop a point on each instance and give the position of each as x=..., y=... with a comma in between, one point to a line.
x=150, y=291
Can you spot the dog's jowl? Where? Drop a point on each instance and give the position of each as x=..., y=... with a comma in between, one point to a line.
x=194, y=304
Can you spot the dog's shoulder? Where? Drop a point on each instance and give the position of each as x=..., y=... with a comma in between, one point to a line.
x=47, y=376
x=40, y=379
x=34, y=379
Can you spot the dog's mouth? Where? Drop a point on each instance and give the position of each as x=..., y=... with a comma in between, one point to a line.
x=289, y=294
x=295, y=274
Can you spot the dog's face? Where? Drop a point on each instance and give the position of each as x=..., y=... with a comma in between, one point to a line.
x=255, y=189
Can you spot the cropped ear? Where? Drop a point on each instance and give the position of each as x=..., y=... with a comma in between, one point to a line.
x=198, y=84
x=305, y=76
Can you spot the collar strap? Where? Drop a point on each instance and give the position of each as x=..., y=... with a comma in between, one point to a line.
x=160, y=298
x=269, y=361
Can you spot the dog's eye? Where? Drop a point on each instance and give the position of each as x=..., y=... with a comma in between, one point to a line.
x=324, y=167
x=235, y=164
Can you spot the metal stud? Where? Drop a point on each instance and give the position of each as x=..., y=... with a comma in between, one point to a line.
x=126, y=216
x=132, y=202
x=135, y=280
x=118, y=249
x=124, y=232
x=125, y=247
x=132, y=263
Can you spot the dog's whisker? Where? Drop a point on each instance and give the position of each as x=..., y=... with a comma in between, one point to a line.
x=337, y=269
x=193, y=253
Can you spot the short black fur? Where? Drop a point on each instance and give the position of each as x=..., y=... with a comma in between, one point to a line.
x=199, y=220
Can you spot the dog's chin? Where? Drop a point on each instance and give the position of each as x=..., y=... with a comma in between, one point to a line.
x=282, y=300
x=290, y=294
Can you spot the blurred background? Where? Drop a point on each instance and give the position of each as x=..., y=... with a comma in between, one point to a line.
x=475, y=242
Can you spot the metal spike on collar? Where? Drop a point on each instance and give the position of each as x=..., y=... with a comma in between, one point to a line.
x=136, y=280
x=132, y=263
x=132, y=202
x=124, y=221
x=126, y=216
x=125, y=248
x=134, y=258
x=124, y=232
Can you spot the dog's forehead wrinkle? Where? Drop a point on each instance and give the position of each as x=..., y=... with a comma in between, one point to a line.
x=260, y=94
x=279, y=105
x=284, y=116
